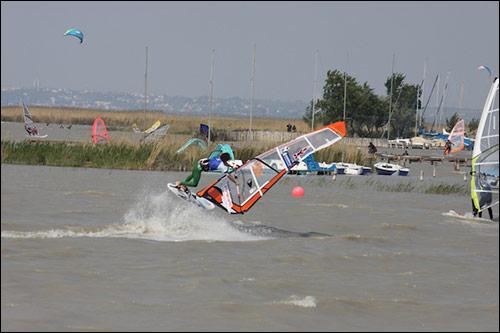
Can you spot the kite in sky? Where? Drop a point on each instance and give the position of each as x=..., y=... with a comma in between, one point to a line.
x=75, y=33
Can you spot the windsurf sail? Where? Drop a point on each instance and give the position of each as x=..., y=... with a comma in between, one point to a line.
x=156, y=134
x=485, y=179
x=456, y=137
x=239, y=191
x=201, y=143
x=99, y=132
x=222, y=148
x=153, y=127
x=29, y=124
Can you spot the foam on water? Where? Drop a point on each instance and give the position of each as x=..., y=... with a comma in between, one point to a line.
x=159, y=217
x=470, y=218
x=306, y=302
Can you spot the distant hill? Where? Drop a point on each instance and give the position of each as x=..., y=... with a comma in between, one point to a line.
x=233, y=106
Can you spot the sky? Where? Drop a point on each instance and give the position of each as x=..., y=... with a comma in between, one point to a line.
x=358, y=37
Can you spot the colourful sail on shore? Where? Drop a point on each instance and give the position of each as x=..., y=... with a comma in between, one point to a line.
x=99, y=132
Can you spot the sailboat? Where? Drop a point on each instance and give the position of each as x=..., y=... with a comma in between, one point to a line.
x=485, y=178
x=456, y=138
x=29, y=125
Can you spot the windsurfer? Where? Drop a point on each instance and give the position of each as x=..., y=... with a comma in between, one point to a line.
x=485, y=199
x=447, y=147
x=31, y=130
x=371, y=148
x=220, y=162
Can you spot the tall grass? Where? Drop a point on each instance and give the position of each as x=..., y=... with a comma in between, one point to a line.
x=155, y=156
x=179, y=124
x=120, y=156
x=405, y=187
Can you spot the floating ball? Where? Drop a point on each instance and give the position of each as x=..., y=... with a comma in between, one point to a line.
x=298, y=192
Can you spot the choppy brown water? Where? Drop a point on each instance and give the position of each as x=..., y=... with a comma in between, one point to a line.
x=88, y=249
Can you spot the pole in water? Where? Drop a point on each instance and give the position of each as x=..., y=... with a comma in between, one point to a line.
x=433, y=170
x=334, y=177
x=465, y=176
x=421, y=174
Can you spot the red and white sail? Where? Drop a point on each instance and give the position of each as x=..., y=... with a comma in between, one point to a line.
x=456, y=137
x=99, y=131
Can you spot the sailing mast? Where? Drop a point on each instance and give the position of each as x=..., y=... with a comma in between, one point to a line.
x=146, y=88
x=252, y=90
x=390, y=100
x=211, y=101
x=418, y=122
x=315, y=82
x=345, y=88
x=461, y=97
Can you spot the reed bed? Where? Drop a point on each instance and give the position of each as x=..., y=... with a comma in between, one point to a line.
x=405, y=187
x=181, y=124
x=161, y=155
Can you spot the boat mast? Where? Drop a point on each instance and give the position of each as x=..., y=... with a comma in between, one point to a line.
x=461, y=97
x=315, y=82
x=345, y=88
x=252, y=90
x=423, y=91
x=211, y=101
x=146, y=88
x=390, y=99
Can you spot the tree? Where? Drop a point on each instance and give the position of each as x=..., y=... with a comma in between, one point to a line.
x=364, y=110
x=473, y=125
x=404, y=105
x=450, y=123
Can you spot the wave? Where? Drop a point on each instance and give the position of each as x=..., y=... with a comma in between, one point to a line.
x=158, y=217
x=306, y=302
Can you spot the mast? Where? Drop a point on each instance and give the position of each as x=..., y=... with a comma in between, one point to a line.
x=441, y=114
x=461, y=97
x=423, y=91
x=315, y=81
x=437, y=99
x=252, y=90
x=211, y=100
x=146, y=88
x=345, y=89
x=390, y=100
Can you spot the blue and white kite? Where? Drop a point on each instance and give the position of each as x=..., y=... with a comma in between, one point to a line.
x=75, y=33
x=485, y=68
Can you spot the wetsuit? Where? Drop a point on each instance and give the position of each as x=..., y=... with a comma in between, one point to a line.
x=193, y=179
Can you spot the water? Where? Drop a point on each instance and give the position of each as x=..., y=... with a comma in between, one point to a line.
x=94, y=249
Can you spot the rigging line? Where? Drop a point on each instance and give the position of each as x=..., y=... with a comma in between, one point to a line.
x=429, y=98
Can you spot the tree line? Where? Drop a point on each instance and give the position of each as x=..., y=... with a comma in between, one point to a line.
x=366, y=113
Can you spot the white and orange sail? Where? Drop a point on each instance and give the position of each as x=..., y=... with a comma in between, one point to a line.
x=239, y=191
x=456, y=138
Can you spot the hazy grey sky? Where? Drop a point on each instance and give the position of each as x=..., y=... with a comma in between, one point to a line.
x=452, y=36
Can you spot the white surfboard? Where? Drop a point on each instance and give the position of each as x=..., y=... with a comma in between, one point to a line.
x=37, y=136
x=468, y=216
x=190, y=197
